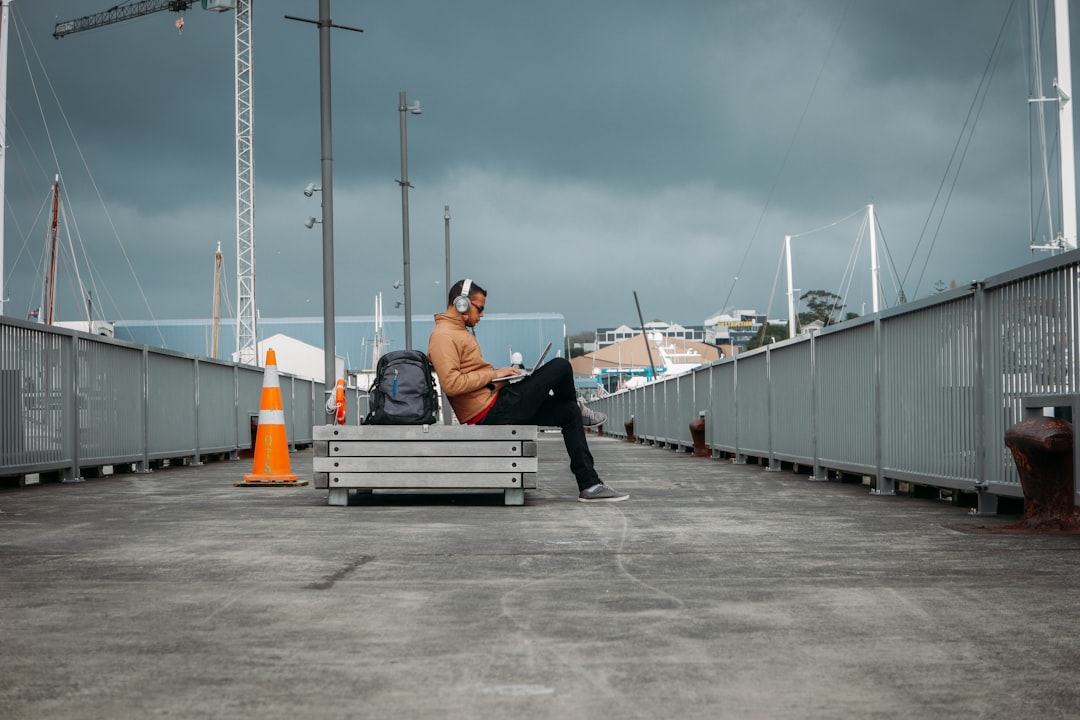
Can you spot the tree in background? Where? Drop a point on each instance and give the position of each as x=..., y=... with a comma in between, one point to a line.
x=769, y=333
x=576, y=341
x=822, y=306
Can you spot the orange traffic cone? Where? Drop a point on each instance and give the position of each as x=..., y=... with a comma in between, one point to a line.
x=271, y=446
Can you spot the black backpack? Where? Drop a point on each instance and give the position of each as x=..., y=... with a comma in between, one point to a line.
x=403, y=392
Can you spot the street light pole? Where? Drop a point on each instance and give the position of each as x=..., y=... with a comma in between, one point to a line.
x=326, y=147
x=404, y=109
x=446, y=222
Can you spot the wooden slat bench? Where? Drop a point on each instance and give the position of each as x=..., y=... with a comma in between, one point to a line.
x=425, y=457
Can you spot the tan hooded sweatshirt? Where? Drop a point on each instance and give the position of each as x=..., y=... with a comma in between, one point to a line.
x=463, y=373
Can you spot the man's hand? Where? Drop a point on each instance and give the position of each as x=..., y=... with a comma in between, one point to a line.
x=504, y=372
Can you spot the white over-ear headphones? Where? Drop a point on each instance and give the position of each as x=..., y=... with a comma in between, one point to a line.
x=462, y=302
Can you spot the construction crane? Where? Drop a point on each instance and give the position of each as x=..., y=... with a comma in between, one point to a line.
x=245, y=206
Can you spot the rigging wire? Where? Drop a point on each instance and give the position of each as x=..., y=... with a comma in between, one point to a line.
x=787, y=153
x=829, y=226
x=772, y=296
x=81, y=293
x=844, y=290
x=832, y=224
x=850, y=268
x=226, y=295
x=86, y=167
x=901, y=297
x=1033, y=72
x=94, y=272
x=968, y=128
x=39, y=272
x=1036, y=81
x=26, y=249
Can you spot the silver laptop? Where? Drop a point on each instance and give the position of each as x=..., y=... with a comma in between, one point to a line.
x=526, y=373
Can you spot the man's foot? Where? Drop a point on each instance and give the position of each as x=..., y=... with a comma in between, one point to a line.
x=601, y=493
x=590, y=417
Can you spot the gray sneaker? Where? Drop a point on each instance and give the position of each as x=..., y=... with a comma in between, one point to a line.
x=590, y=417
x=602, y=493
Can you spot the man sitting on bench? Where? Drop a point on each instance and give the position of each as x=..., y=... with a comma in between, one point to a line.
x=547, y=397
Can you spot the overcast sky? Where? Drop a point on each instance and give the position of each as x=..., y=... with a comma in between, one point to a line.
x=587, y=150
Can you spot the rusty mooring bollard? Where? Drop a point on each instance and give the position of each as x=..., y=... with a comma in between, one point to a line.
x=697, y=433
x=1042, y=448
x=629, y=425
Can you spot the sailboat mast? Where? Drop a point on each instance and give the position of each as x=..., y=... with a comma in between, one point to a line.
x=875, y=269
x=217, y=300
x=1063, y=85
x=50, y=298
x=790, y=289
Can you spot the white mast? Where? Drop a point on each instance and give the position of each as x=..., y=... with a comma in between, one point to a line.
x=790, y=290
x=875, y=270
x=4, y=14
x=217, y=301
x=377, y=349
x=1063, y=85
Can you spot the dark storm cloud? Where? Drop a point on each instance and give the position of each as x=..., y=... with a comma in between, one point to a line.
x=607, y=146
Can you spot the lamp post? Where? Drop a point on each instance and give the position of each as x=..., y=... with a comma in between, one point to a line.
x=326, y=144
x=446, y=223
x=404, y=109
x=326, y=148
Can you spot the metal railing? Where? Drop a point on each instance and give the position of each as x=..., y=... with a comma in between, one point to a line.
x=71, y=400
x=921, y=393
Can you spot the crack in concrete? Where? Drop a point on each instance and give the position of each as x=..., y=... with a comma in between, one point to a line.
x=329, y=581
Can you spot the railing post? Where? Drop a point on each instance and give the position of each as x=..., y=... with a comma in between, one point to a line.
x=818, y=474
x=197, y=460
x=234, y=454
x=774, y=464
x=143, y=466
x=711, y=409
x=740, y=459
x=986, y=503
x=292, y=414
x=882, y=486
x=69, y=405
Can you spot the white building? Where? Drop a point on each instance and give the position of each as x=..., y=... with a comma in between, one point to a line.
x=296, y=358
x=606, y=337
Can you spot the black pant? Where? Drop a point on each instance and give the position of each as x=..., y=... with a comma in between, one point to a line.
x=548, y=397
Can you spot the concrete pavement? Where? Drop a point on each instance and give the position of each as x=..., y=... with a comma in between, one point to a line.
x=716, y=591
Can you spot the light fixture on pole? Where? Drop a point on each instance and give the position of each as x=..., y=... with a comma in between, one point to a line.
x=403, y=110
x=308, y=192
